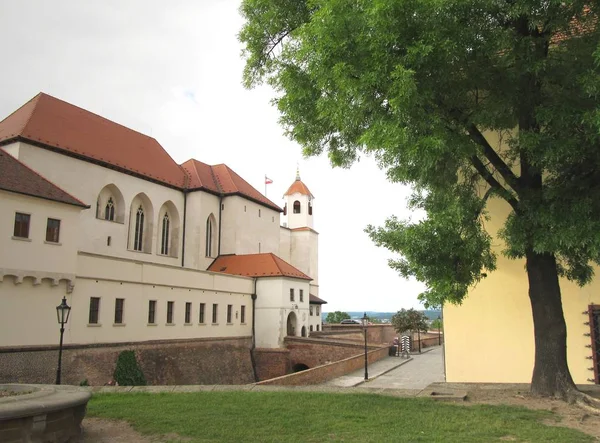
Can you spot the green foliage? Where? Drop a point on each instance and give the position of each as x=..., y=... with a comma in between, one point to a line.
x=436, y=324
x=336, y=317
x=84, y=382
x=128, y=371
x=409, y=320
x=315, y=417
x=417, y=84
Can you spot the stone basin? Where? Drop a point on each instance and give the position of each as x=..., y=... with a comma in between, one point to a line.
x=42, y=413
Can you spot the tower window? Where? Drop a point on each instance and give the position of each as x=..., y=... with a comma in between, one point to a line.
x=309, y=208
x=285, y=209
x=296, y=207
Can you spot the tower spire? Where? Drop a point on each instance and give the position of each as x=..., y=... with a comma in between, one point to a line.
x=297, y=172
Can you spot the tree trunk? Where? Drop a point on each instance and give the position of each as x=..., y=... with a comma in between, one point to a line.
x=551, y=375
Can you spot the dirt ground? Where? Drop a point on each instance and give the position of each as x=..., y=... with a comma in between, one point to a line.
x=97, y=430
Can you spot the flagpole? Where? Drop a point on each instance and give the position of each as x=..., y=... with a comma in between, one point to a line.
x=265, y=185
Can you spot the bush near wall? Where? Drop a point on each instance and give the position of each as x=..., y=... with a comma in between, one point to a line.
x=128, y=371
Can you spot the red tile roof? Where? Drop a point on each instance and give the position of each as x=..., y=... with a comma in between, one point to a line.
x=54, y=124
x=69, y=129
x=316, y=300
x=221, y=179
x=298, y=186
x=256, y=265
x=18, y=178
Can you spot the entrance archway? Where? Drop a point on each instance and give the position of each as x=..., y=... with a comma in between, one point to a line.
x=303, y=333
x=291, y=324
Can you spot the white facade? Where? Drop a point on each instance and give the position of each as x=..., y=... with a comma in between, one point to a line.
x=142, y=242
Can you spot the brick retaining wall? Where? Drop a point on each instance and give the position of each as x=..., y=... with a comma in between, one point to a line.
x=175, y=362
x=271, y=363
x=321, y=374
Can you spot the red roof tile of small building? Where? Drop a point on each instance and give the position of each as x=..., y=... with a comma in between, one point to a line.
x=17, y=177
x=256, y=265
x=314, y=299
x=298, y=187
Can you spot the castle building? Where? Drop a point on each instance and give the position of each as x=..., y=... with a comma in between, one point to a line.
x=145, y=250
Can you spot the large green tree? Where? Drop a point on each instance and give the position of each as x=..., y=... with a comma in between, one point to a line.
x=419, y=83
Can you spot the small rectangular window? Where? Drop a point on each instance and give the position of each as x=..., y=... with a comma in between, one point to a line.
x=53, y=230
x=22, y=225
x=94, y=310
x=243, y=314
x=301, y=295
x=310, y=309
x=317, y=327
x=152, y=312
x=119, y=304
x=188, y=312
x=291, y=294
x=214, y=313
x=170, y=312
x=201, y=316
x=259, y=212
x=229, y=309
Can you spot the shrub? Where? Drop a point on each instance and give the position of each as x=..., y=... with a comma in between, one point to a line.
x=84, y=382
x=128, y=371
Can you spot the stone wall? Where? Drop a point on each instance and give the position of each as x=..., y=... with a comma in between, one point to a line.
x=321, y=374
x=377, y=334
x=175, y=362
x=271, y=363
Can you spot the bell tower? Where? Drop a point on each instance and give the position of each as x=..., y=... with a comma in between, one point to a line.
x=298, y=205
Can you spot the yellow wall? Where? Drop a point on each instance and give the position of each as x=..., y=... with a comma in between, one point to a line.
x=489, y=338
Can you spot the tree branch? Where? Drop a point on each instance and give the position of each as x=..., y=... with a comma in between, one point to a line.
x=509, y=177
x=494, y=184
x=279, y=40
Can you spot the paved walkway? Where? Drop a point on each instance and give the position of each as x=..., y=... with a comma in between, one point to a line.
x=398, y=373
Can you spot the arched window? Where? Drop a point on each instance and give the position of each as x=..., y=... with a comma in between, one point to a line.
x=164, y=239
x=309, y=208
x=110, y=205
x=139, y=229
x=109, y=210
x=311, y=328
x=296, y=207
x=210, y=236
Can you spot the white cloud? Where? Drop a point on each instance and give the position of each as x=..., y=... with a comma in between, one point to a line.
x=173, y=71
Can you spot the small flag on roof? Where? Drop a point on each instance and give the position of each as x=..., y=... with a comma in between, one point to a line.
x=268, y=181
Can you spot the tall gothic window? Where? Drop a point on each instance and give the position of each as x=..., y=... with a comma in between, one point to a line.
x=139, y=229
x=164, y=242
x=109, y=210
x=209, y=228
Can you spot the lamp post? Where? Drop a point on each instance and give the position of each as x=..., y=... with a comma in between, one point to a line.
x=439, y=331
x=365, y=322
x=62, y=313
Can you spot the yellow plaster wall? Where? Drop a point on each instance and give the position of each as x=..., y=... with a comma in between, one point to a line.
x=489, y=338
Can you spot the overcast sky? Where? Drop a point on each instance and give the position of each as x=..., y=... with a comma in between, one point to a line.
x=174, y=73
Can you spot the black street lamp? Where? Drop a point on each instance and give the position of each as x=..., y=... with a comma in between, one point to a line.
x=365, y=322
x=439, y=331
x=62, y=313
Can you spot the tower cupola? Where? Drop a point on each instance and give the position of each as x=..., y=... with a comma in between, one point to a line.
x=298, y=205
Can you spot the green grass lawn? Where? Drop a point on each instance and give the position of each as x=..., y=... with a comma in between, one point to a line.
x=312, y=417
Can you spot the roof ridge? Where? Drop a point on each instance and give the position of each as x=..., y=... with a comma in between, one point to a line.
x=105, y=119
